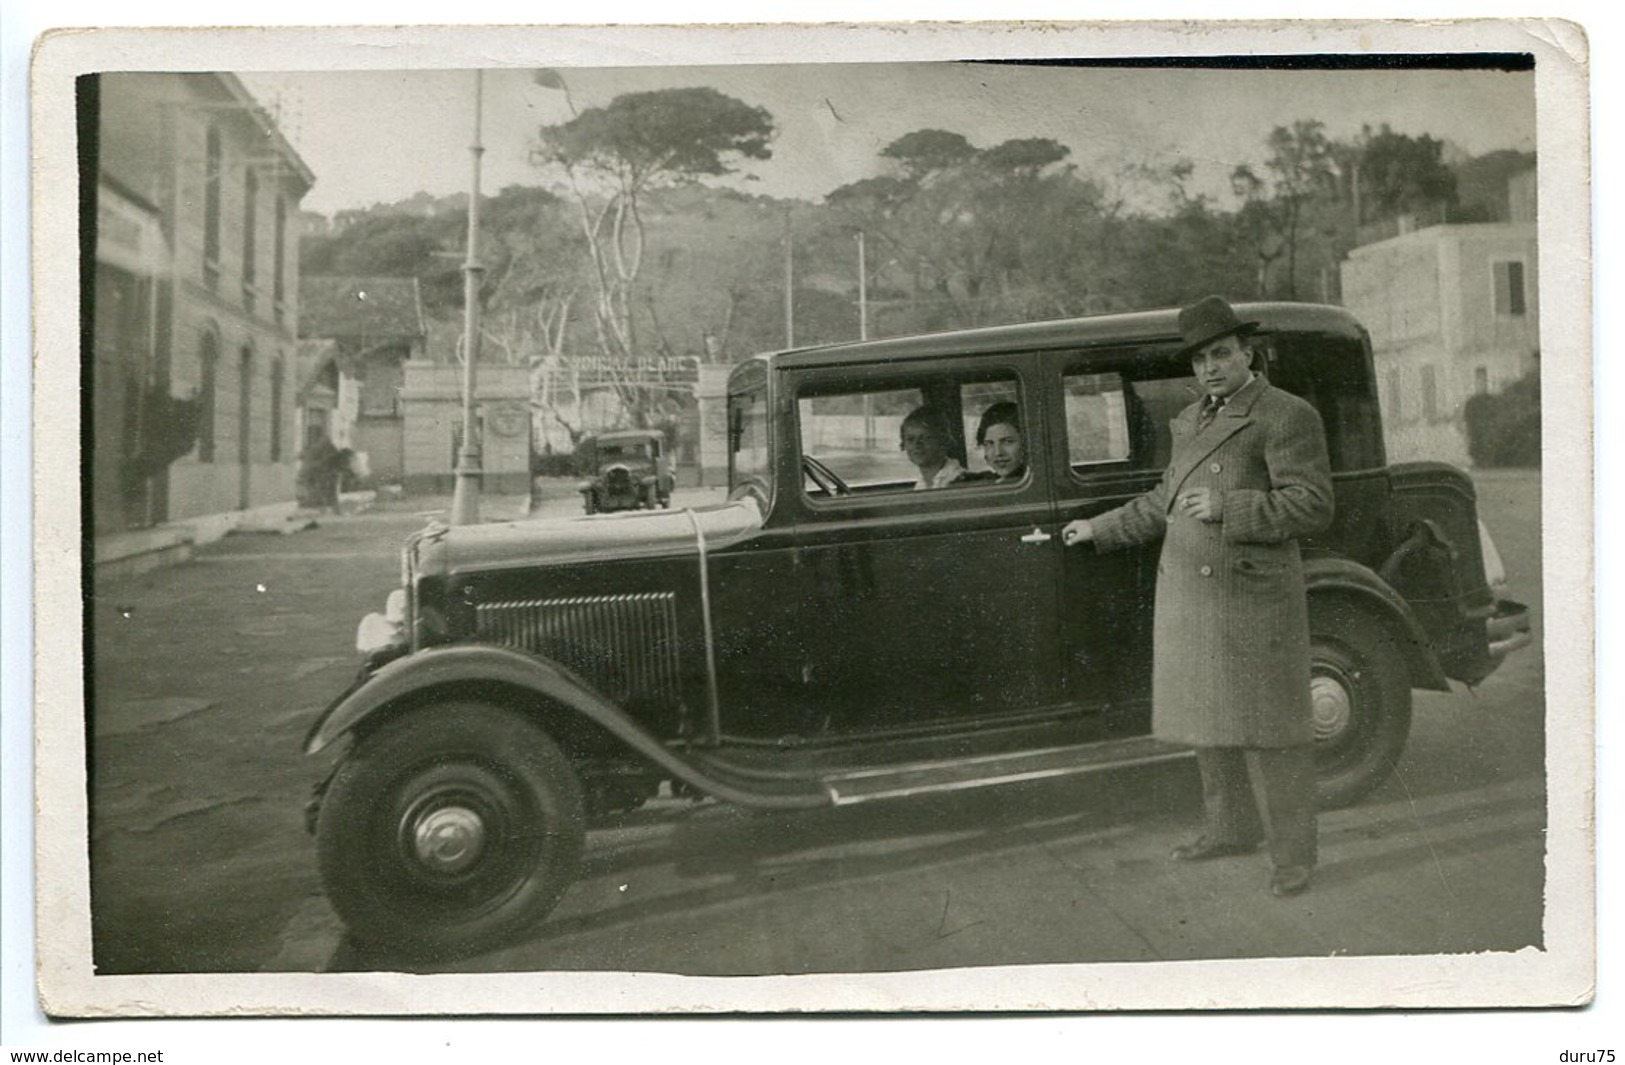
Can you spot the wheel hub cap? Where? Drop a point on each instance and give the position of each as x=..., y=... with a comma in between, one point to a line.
x=450, y=839
x=1333, y=708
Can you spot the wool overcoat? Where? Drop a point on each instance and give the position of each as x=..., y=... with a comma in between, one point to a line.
x=1231, y=643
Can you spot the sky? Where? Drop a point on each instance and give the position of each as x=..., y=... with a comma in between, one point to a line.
x=380, y=136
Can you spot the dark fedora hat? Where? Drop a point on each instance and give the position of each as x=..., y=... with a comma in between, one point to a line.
x=1207, y=320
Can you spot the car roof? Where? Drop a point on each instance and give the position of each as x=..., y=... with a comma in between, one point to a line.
x=1135, y=327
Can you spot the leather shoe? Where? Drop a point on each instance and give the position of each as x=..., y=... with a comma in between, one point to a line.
x=1290, y=880
x=1201, y=849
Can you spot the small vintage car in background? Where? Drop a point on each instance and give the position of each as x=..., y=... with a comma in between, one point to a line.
x=829, y=635
x=627, y=470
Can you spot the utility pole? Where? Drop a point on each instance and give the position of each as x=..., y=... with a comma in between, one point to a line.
x=863, y=334
x=465, y=503
x=863, y=292
x=789, y=284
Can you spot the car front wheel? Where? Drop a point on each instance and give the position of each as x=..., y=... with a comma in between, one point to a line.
x=1361, y=698
x=449, y=830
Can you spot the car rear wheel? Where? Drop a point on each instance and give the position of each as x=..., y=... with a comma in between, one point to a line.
x=449, y=831
x=1361, y=698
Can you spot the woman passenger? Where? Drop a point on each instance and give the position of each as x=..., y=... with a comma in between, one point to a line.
x=999, y=436
x=925, y=437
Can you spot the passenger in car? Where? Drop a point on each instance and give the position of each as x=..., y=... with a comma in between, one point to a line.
x=926, y=438
x=1000, y=438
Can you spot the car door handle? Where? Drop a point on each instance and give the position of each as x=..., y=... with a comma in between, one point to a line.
x=1037, y=536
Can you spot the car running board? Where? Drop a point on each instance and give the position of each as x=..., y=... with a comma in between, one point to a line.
x=895, y=782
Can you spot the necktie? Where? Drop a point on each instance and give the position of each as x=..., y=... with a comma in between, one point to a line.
x=1209, y=410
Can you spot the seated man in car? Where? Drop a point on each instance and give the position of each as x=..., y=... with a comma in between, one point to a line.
x=926, y=437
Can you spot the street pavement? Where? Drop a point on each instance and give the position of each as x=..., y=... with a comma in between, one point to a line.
x=207, y=675
x=204, y=678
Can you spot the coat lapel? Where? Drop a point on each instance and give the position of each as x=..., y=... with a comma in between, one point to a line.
x=1192, y=447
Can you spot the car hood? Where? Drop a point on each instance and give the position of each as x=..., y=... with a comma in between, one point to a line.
x=596, y=537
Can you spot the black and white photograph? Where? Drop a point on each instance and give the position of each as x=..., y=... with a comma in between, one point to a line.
x=814, y=520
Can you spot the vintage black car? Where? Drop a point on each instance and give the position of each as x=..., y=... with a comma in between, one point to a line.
x=832, y=635
x=626, y=470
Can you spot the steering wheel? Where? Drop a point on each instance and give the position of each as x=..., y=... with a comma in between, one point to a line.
x=824, y=477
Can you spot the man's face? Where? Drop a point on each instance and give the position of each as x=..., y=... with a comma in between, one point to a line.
x=925, y=449
x=1222, y=366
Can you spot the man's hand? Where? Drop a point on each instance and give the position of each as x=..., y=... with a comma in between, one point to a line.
x=1204, y=504
x=1077, y=532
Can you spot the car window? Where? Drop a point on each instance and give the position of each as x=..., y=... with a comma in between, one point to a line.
x=853, y=435
x=1334, y=374
x=856, y=435
x=1097, y=419
x=1115, y=422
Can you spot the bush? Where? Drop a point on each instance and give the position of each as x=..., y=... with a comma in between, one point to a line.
x=1503, y=428
x=552, y=464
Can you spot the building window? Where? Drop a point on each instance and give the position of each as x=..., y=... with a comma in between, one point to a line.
x=280, y=252
x=211, y=207
x=1430, y=392
x=1396, y=393
x=245, y=407
x=315, y=427
x=1509, y=294
x=251, y=195
x=208, y=366
x=1481, y=379
x=276, y=409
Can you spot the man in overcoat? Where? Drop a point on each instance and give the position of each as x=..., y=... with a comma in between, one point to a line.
x=1248, y=476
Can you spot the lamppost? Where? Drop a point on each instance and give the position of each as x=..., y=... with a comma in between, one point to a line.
x=465, y=501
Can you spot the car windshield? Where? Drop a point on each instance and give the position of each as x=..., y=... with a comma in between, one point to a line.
x=749, y=461
x=622, y=450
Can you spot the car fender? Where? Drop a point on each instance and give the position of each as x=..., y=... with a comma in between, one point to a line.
x=1328, y=575
x=484, y=664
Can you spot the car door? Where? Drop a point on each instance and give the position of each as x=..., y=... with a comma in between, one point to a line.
x=1111, y=411
x=921, y=608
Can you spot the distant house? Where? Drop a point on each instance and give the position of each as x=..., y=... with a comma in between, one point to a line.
x=194, y=304
x=327, y=399
x=1453, y=311
x=357, y=334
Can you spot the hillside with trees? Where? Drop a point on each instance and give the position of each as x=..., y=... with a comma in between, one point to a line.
x=626, y=250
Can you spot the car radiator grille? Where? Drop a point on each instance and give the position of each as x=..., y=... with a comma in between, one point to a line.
x=625, y=645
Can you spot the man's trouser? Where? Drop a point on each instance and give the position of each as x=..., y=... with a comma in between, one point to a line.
x=1268, y=793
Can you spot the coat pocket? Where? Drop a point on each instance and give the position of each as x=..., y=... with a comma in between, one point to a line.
x=1262, y=569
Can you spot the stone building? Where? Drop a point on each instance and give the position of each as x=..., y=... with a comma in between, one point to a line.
x=1453, y=311
x=433, y=407
x=357, y=334
x=194, y=305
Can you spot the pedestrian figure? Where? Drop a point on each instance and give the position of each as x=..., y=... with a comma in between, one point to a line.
x=321, y=467
x=1248, y=476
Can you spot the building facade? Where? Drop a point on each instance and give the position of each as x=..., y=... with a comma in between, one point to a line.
x=369, y=328
x=194, y=305
x=432, y=400
x=1453, y=312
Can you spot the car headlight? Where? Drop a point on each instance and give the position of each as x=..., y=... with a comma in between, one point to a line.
x=379, y=632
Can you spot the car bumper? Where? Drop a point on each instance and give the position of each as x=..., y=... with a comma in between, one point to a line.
x=1508, y=629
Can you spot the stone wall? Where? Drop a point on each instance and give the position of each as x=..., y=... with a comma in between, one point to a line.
x=431, y=401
